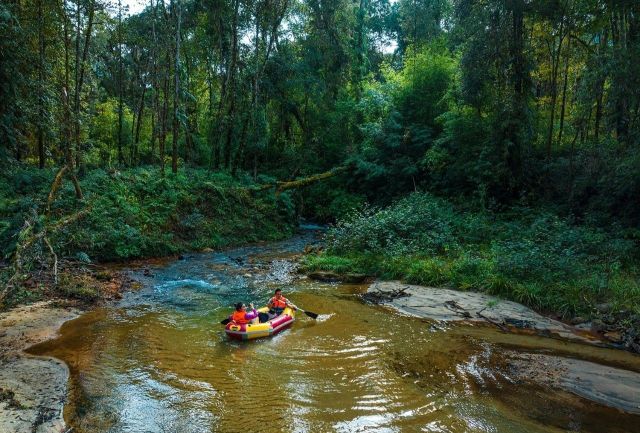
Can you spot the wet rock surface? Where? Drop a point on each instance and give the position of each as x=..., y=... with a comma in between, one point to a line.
x=32, y=389
x=451, y=305
x=605, y=385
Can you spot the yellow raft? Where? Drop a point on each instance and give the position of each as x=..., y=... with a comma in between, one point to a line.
x=269, y=328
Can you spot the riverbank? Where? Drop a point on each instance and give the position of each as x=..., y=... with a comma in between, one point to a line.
x=33, y=390
x=576, y=272
x=601, y=384
x=125, y=215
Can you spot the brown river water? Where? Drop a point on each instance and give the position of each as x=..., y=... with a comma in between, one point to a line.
x=158, y=361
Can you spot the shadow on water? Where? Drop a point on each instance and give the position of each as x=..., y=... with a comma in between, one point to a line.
x=158, y=361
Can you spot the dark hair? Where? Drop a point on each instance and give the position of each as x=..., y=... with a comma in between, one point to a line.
x=239, y=306
x=277, y=290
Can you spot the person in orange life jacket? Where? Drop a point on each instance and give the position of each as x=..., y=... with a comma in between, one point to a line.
x=278, y=303
x=240, y=316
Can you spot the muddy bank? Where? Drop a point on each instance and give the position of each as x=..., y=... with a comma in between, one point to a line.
x=32, y=389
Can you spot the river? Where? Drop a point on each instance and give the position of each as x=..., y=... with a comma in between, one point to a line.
x=158, y=361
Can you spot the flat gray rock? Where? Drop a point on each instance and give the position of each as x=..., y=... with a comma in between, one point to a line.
x=33, y=389
x=451, y=305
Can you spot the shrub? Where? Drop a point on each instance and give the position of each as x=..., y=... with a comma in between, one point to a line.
x=533, y=257
x=418, y=224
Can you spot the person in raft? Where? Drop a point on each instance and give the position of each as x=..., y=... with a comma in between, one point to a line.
x=241, y=316
x=278, y=303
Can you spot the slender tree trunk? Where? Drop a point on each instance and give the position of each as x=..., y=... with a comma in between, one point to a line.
x=555, y=62
x=120, y=85
x=140, y=116
x=599, y=90
x=564, y=91
x=232, y=94
x=41, y=87
x=76, y=93
x=176, y=94
x=80, y=75
x=66, y=105
x=165, y=111
x=152, y=145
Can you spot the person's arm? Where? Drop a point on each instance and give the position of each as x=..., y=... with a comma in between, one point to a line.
x=252, y=315
x=290, y=304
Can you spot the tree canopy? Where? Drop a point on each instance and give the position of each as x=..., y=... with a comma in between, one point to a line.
x=497, y=102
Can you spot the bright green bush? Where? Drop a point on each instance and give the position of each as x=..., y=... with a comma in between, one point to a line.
x=418, y=224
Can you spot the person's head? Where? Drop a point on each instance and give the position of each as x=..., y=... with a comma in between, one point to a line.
x=240, y=306
x=278, y=293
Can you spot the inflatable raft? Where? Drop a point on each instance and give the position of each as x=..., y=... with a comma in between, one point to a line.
x=271, y=327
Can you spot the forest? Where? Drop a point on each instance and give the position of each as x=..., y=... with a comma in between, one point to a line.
x=487, y=145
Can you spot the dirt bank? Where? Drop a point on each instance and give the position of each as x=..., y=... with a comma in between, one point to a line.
x=32, y=389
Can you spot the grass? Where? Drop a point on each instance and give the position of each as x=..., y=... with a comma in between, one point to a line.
x=532, y=257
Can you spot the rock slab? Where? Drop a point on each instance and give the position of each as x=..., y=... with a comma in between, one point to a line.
x=33, y=389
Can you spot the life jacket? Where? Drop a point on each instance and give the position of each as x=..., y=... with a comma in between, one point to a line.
x=239, y=317
x=279, y=303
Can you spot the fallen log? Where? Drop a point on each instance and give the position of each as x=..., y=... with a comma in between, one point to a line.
x=281, y=186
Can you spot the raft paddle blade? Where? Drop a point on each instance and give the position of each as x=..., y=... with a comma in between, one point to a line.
x=225, y=321
x=310, y=314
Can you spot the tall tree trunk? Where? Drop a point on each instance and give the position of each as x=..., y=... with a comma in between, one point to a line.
x=80, y=77
x=554, y=56
x=518, y=82
x=165, y=111
x=120, y=85
x=176, y=94
x=66, y=105
x=140, y=116
x=564, y=92
x=232, y=93
x=599, y=90
x=41, y=87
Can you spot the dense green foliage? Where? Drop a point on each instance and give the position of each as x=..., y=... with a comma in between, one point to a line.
x=135, y=213
x=533, y=257
x=525, y=115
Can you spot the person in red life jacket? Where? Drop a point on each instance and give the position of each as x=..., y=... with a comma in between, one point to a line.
x=240, y=316
x=278, y=303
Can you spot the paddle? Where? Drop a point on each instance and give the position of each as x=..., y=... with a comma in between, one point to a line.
x=308, y=313
x=225, y=321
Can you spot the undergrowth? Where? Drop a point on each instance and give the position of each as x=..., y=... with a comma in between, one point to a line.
x=134, y=213
x=533, y=257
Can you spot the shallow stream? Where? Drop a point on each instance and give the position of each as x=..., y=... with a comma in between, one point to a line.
x=158, y=361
